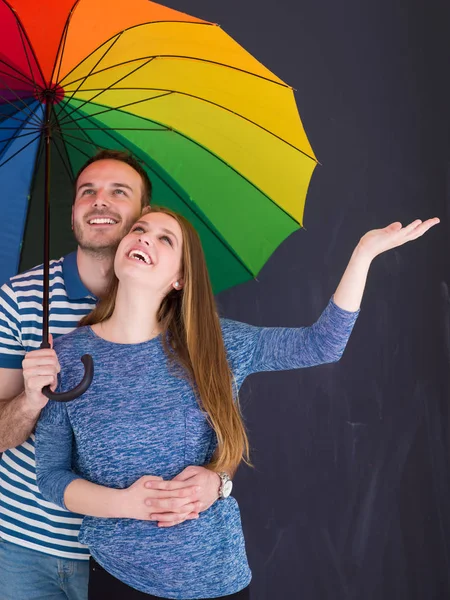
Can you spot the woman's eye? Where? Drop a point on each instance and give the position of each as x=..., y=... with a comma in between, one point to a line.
x=166, y=239
x=138, y=228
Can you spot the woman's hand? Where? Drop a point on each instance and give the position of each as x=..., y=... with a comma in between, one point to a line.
x=351, y=287
x=40, y=368
x=377, y=241
x=143, y=501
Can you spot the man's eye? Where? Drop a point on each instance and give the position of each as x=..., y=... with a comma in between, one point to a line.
x=87, y=192
x=119, y=192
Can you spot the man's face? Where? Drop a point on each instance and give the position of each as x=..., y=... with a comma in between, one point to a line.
x=107, y=203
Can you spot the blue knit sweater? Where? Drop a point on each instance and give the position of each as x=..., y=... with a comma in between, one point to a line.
x=140, y=417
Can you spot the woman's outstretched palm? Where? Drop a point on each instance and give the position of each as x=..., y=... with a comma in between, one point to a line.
x=379, y=240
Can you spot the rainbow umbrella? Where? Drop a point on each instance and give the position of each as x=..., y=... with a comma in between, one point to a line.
x=218, y=133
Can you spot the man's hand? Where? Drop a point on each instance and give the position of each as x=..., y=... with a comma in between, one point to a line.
x=172, y=506
x=20, y=408
x=40, y=368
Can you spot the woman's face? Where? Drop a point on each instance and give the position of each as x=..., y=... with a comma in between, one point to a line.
x=151, y=253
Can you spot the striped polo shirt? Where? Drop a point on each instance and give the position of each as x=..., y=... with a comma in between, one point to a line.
x=26, y=519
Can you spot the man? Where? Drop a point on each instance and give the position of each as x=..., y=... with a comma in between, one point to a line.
x=40, y=557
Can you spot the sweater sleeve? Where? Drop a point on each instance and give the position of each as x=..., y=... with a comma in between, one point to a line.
x=255, y=349
x=54, y=440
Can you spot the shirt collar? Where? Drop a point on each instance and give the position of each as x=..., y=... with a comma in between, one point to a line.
x=75, y=288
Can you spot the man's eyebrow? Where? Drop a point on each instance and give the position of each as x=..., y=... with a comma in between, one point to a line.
x=123, y=185
x=85, y=185
x=116, y=185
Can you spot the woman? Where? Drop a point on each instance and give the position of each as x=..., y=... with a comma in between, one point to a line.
x=167, y=372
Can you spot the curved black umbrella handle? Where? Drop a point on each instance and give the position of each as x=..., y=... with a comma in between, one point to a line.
x=79, y=389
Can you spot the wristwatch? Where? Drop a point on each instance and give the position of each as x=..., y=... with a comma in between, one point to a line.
x=226, y=485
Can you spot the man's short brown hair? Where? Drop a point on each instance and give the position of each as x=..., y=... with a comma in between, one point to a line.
x=128, y=159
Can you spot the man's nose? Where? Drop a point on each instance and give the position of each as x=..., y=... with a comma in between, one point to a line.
x=101, y=198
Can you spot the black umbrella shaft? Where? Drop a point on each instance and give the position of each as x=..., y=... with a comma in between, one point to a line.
x=45, y=300
x=86, y=359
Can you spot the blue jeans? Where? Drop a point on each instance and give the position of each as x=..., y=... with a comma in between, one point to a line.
x=30, y=575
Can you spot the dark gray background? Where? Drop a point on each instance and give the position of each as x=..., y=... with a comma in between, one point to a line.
x=349, y=495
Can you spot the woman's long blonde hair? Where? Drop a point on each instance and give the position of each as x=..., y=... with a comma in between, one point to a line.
x=191, y=333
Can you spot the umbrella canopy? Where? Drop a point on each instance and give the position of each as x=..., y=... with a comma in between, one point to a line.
x=218, y=133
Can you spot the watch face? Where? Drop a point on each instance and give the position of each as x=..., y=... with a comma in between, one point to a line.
x=226, y=491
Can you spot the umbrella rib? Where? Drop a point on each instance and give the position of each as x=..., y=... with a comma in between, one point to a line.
x=16, y=75
x=124, y=31
x=173, y=56
x=63, y=160
x=28, y=59
x=176, y=131
x=57, y=134
x=19, y=135
x=74, y=137
x=109, y=87
x=20, y=100
x=19, y=24
x=67, y=143
x=19, y=151
x=27, y=79
x=89, y=74
x=63, y=141
x=62, y=133
x=15, y=137
x=169, y=92
x=200, y=217
x=155, y=129
x=5, y=99
x=34, y=121
x=62, y=43
x=219, y=158
x=61, y=48
x=33, y=180
x=11, y=117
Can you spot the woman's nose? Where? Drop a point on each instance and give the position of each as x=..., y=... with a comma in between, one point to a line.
x=145, y=240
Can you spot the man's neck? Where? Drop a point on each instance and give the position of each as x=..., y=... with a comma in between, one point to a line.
x=94, y=270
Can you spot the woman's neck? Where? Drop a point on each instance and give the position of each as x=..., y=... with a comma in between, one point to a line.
x=134, y=319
